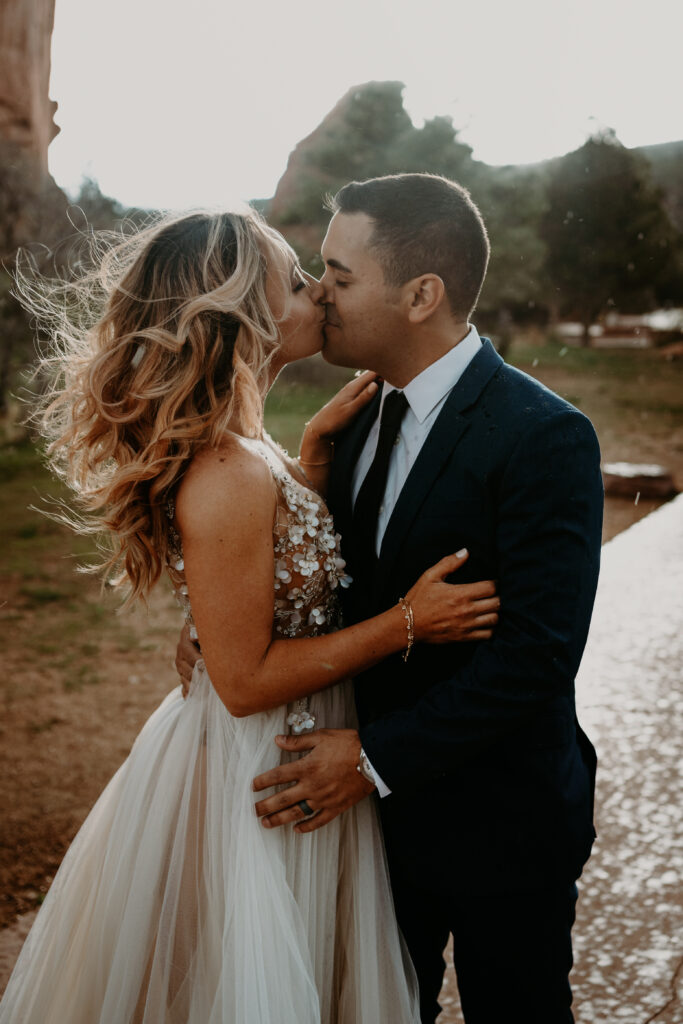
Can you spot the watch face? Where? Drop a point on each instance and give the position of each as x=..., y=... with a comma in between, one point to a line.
x=365, y=769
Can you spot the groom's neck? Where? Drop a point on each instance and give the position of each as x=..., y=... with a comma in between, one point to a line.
x=415, y=353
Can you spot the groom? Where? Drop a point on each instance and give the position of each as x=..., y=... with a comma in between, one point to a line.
x=484, y=776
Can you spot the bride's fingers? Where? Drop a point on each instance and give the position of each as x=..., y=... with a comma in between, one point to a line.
x=360, y=381
x=368, y=392
x=482, y=605
x=478, y=634
x=490, y=619
x=360, y=389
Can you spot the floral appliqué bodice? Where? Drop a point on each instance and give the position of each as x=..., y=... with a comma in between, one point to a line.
x=309, y=568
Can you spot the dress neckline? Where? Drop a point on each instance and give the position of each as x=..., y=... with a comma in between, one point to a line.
x=273, y=452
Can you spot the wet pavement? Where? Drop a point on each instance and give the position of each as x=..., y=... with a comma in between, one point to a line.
x=628, y=938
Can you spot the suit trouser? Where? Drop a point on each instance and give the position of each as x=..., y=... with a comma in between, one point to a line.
x=512, y=951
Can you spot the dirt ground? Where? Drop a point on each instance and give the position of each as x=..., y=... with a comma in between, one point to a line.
x=79, y=679
x=61, y=744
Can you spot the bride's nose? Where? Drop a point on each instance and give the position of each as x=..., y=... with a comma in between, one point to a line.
x=315, y=289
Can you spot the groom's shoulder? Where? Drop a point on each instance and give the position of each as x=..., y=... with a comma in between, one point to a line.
x=523, y=398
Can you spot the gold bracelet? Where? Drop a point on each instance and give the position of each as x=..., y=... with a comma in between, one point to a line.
x=410, y=622
x=306, y=462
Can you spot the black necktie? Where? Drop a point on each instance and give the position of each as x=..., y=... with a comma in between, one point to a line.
x=371, y=493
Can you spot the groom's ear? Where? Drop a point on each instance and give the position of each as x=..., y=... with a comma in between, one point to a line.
x=423, y=296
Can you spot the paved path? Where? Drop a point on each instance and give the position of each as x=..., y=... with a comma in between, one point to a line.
x=629, y=931
x=628, y=938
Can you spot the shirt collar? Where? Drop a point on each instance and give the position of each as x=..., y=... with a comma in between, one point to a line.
x=430, y=387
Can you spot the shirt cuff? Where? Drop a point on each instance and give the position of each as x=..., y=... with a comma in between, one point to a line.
x=382, y=788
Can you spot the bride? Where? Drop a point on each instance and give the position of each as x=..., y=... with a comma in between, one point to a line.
x=173, y=904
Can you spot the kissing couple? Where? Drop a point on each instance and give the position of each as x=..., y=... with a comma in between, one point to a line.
x=378, y=747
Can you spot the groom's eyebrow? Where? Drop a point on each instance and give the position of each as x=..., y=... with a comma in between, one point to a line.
x=336, y=265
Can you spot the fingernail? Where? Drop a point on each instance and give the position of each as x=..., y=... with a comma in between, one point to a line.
x=461, y=553
x=265, y=823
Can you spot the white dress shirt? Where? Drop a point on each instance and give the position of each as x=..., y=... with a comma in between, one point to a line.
x=426, y=394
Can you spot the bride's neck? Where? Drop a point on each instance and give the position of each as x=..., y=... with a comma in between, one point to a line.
x=235, y=425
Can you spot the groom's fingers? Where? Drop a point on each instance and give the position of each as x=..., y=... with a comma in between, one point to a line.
x=278, y=801
x=317, y=821
x=283, y=775
x=286, y=773
x=283, y=808
x=295, y=744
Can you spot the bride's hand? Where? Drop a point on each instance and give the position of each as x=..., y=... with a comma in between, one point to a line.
x=342, y=409
x=447, y=613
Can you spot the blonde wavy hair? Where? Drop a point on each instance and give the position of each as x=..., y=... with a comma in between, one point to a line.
x=153, y=349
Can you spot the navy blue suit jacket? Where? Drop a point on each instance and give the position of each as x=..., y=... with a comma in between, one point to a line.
x=492, y=779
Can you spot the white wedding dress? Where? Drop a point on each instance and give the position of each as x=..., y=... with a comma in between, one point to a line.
x=174, y=905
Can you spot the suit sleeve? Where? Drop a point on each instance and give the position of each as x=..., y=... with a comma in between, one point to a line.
x=548, y=547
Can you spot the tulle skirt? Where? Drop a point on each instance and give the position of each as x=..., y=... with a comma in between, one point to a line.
x=174, y=905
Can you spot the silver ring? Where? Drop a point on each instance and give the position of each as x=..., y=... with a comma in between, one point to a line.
x=306, y=808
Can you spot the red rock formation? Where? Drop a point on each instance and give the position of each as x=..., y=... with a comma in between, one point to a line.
x=342, y=147
x=26, y=111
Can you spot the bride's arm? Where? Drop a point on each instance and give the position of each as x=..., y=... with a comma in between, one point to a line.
x=225, y=513
x=317, y=443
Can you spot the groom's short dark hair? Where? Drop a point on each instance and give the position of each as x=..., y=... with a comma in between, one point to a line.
x=424, y=224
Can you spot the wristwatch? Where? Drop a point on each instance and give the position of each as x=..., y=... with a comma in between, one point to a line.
x=364, y=768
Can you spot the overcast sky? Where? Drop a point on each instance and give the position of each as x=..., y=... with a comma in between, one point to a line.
x=171, y=104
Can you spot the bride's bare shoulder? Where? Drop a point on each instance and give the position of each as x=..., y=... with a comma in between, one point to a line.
x=226, y=485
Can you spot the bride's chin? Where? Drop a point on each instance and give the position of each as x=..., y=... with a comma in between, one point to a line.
x=304, y=353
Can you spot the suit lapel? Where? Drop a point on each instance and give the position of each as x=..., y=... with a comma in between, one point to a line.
x=437, y=449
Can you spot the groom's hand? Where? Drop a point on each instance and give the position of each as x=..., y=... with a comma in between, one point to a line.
x=326, y=779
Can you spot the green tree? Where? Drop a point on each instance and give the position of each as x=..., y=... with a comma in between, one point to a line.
x=435, y=148
x=512, y=202
x=610, y=244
